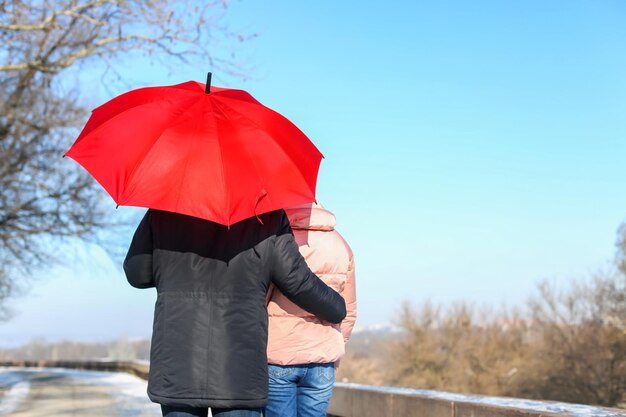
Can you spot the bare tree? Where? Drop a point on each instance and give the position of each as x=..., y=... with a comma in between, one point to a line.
x=42, y=197
x=580, y=354
x=458, y=349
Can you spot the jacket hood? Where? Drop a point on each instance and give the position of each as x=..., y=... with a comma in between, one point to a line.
x=311, y=216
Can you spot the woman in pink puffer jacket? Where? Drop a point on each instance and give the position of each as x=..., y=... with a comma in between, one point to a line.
x=302, y=350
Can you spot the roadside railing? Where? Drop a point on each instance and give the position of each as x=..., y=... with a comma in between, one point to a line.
x=354, y=400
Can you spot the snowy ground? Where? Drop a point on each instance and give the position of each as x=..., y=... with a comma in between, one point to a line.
x=51, y=391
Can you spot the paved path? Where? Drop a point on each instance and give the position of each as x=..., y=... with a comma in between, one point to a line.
x=60, y=392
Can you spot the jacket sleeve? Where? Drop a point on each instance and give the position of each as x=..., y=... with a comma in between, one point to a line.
x=293, y=277
x=349, y=294
x=138, y=262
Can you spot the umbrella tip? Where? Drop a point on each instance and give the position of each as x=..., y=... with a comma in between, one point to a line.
x=207, y=89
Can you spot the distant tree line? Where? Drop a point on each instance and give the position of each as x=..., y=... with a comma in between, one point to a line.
x=122, y=349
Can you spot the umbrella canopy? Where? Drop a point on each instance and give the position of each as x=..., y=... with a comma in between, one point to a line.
x=200, y=150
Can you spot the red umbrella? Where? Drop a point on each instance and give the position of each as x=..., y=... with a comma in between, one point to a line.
x=218, y=155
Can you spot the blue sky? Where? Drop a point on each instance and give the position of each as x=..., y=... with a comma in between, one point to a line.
x=472, y=149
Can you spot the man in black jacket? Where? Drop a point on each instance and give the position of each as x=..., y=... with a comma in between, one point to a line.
x=210, y=321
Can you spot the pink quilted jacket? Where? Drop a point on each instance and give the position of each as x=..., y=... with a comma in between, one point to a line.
x=295, y=336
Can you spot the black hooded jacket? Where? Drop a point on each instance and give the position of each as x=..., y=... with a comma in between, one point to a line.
x=209, y=337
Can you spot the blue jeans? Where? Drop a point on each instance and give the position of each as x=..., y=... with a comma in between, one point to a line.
x=300, y=390
x=169, y=411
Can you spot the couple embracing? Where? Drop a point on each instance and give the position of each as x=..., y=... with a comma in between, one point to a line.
x=223, y=289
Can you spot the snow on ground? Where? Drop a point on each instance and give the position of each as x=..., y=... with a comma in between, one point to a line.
x=14, y=390
x=128, y=391
x=575, y=410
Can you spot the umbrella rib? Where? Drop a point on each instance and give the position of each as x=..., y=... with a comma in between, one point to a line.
x=186, y=164
x=261, y=128
x=227, y=194
x=256, y=168
x=130, y=176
